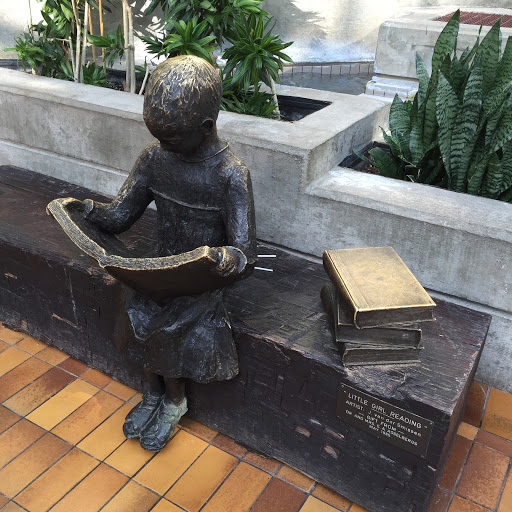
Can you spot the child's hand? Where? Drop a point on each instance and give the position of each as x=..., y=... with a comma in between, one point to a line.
x=227, y=262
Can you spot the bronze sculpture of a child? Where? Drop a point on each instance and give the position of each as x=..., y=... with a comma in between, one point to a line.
x=203, y=197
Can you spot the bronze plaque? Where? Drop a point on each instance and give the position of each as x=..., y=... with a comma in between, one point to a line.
x=385, y=421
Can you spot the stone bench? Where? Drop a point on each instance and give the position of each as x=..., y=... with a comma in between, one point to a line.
x=286, y=399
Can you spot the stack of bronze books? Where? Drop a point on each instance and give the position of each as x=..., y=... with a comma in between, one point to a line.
x=376, y=306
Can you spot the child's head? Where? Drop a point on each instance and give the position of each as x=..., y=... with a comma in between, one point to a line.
x=182, y=101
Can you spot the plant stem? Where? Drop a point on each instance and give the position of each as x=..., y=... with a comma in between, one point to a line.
x=130, y=46
x=30, y=19
x=126, y=43
x=100, y=5
x=71, y=55
x=78, y=33
x=86, y=24
x=92, y=33
x=143, y=86
x=274, y=94
x=132, y=51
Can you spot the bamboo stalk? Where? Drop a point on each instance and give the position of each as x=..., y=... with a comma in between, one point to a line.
x=92, y=33
x=274, y=94
x=126, y=44
x=131, y=38
x=100, y=5
x=30, y=22
x=143, y=86
x=78, y=39
x=86, y=24
x=71, y=55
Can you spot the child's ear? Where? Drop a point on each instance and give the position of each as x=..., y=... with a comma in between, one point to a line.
x=208, y=125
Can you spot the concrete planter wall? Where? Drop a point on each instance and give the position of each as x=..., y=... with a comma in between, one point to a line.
x=460, y=247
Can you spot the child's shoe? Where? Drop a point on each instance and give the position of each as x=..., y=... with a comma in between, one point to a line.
x=140, y=415
x=157, y=432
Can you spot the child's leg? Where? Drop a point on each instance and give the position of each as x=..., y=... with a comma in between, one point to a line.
x=158, y=431
x=145, y=409
x=174, y=390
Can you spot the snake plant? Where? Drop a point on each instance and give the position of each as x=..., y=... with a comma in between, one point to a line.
x=457, y=131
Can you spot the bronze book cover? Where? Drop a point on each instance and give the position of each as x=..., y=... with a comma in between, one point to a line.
x=353, y=354
x=157, y=277
x=401, y=336
x=378, y=286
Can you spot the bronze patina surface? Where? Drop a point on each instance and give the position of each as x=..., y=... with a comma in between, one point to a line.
x=175, y=325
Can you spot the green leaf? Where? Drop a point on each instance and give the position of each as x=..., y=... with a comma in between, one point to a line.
x=447, y=107
x=424, y=78
x=429, y=118
x=399, y=119
x=465, y=130
x=504, y=130
x=506, y=196
x=385, y=163
x=489, y=51
x=494, y=178
x=434, y=175
x=504, y=73
x=392, y=143
x=364, y=158
x=446, y=42
x=476, y=175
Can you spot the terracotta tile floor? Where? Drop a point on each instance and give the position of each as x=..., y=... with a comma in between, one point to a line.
x=62, y=448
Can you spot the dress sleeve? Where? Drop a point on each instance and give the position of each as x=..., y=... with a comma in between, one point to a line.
x=130, y=203
x=239, y=214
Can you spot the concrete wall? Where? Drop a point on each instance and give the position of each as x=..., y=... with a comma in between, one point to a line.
x=323, y=30
x=458, y=246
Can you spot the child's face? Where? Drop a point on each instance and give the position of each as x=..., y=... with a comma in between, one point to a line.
x=182, y=139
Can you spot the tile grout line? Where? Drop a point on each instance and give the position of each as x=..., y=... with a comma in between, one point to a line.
x=219, y=486
x=494, y=449
x=459, y=478
x=487, y=396
x=42, y=473
x=508, y=475
x=261, y=493
x=81, y=480
x=188, y=467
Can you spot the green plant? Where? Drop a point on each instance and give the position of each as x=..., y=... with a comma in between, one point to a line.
x=94, y=75
x=188, y=38
x=256, y=54
x=113, y=43
x=457, y=132
x=220, y=15
x=253, y=103
x=56, y=44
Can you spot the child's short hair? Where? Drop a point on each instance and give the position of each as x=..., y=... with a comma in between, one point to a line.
x=184, y=90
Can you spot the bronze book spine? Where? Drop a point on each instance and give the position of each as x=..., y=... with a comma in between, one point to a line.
x=402, y=300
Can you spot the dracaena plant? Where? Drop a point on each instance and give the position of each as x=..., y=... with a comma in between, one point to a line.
x=256, y=54
x=186, y=38
x=457, y=132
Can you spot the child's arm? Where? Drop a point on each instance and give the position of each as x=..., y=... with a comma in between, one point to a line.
x=130, y=202
x=239, y=221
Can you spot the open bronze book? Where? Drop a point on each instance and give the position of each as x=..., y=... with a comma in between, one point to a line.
x=167, y=276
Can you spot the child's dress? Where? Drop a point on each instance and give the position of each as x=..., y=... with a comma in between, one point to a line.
x=207, y=203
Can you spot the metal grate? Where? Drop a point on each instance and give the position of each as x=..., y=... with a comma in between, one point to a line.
x=480, y=18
